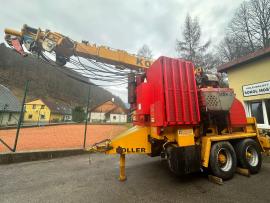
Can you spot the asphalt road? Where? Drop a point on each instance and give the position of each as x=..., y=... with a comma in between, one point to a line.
x=72, y=179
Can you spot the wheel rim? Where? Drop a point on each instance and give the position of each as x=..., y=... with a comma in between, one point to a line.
x=252, y=156
x=224, y=159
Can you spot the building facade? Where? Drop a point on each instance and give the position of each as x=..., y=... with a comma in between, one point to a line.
x=43, y=111
x=108, y=112
x=249, y=76
x=9, y=107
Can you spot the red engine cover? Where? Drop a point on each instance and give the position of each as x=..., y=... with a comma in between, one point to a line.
x=237, y=115
x=173, y=93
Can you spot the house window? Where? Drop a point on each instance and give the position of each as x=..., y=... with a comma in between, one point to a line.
x=9, y=116
x=114, y=117
x=42, y=107
x=34, y=106
x=267, y=106
x=42, y=116
x=260, y=109
x=257, y=111
x=30, y=116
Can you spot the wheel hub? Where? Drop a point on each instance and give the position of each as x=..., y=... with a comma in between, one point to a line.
x=252, y=156
x=224, y=159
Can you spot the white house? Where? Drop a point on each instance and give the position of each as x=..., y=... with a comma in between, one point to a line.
x=108, y=112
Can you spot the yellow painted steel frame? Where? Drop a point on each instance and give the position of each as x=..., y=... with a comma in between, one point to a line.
x=265, y=141
x=122, y=174
x=183, y=136
x=132, y=141
x=136, y=139
x=250, y=131
x=207, y=141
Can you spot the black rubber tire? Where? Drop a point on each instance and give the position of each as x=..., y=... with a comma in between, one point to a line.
x=169, y=164
x=240, y=149
x=216, y=169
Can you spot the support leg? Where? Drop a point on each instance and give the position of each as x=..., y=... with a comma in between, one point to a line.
x=122, y=176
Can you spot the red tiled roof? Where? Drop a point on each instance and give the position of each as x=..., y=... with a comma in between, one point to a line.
x=104, y=107
x=245, y=59
x=117, y=110
x=108, y=107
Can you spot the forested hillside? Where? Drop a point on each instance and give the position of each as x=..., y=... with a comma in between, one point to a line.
x=47, y=81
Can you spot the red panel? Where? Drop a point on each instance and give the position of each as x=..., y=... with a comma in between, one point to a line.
x=155, y=78
x=237, y=115
x=143, y=98
x=175, y=100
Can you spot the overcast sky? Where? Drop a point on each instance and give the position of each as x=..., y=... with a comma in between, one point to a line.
x=121, y=24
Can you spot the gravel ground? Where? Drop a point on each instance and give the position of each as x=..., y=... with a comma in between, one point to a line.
x=75, y=179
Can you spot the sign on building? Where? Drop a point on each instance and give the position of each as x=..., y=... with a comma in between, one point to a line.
x=256, y=89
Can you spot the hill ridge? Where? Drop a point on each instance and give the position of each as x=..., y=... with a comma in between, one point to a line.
x=47, y=81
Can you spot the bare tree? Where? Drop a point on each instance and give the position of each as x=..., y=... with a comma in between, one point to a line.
x=231, y=48
x=241, y=27
x=248, y=31
x=191, y=48
x=145, y=51
x=260, y=13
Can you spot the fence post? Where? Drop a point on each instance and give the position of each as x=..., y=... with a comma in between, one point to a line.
x=21, y=116
x=86, y=120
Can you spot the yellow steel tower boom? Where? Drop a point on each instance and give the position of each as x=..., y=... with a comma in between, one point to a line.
x=36, y=39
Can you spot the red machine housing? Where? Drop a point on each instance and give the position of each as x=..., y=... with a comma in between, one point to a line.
x=169, y=95
x=222, y=101
x=237, y=115
x=144, y=94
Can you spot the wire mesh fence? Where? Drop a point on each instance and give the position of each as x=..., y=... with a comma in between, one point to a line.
x=48, y=123
x=58, y=136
